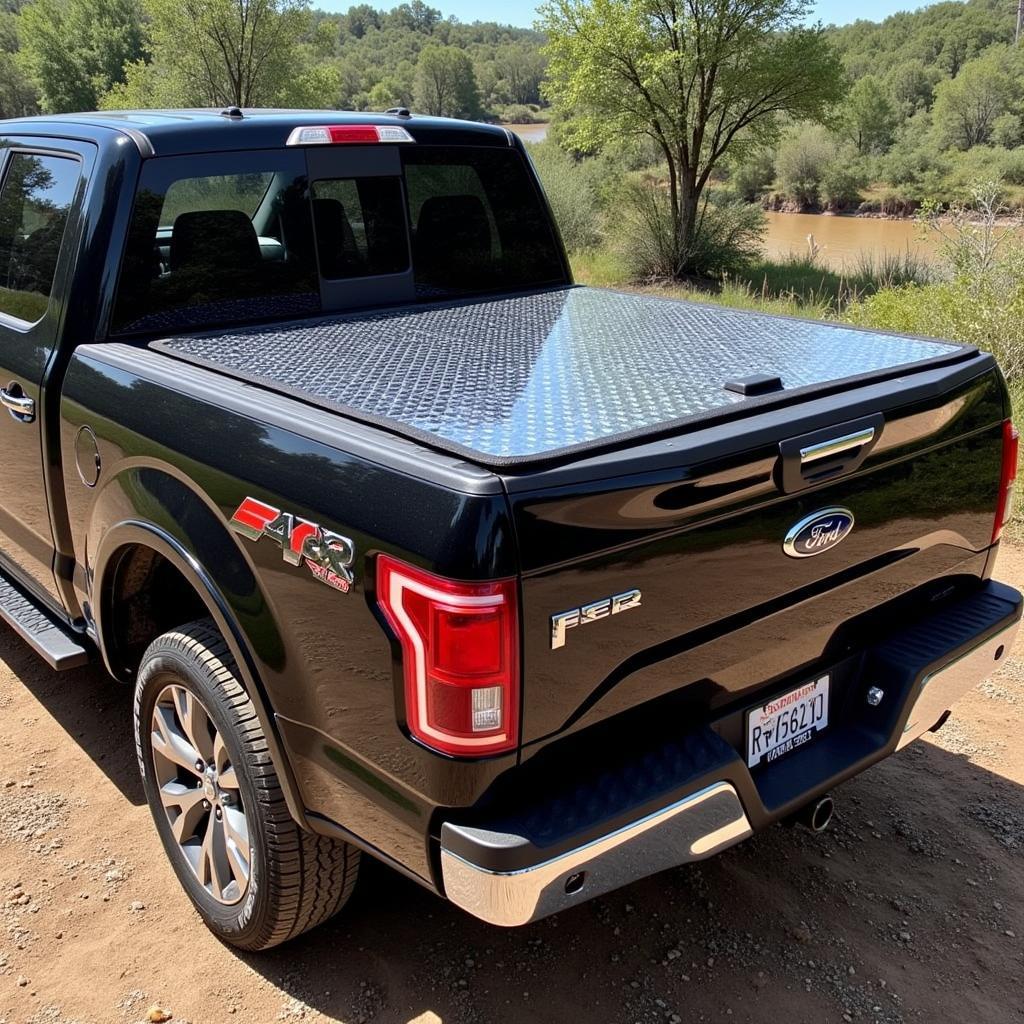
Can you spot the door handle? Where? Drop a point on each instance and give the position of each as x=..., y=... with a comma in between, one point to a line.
x=17, y=403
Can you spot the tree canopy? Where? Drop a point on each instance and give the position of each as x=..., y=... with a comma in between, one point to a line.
x=699, y=80
x=76, y=50
x=215, y=53
x=445, y=82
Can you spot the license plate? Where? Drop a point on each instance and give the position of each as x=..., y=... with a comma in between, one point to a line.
x=787, y=722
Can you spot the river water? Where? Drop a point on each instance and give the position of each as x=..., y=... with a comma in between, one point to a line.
x=841, y=241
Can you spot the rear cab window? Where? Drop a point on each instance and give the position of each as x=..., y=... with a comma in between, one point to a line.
x=279, y=234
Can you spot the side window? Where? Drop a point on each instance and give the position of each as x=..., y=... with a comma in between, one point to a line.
x=360, y=227
x=35, y=200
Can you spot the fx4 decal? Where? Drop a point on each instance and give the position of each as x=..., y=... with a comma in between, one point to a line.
x=327, y=555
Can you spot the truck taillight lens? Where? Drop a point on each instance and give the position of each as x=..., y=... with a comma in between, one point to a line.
x=1007, y=476
x=460, y=654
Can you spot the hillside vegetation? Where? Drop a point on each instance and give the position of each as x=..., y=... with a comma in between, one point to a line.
x=934, y=99
x=935, y=102
x=62, y=55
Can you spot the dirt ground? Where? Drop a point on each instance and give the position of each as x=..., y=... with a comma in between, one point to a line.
x=910, y=909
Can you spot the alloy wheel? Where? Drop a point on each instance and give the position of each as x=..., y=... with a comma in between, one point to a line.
x=199, y=791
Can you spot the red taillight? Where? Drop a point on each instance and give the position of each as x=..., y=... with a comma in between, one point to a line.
x=460, y=654
x=338, y=134
x=1007, y=476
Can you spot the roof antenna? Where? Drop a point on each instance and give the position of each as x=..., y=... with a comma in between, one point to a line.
x=235, y=113
x=398, y=111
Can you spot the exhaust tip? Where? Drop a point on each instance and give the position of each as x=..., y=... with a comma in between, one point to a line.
x=816, y=816
x=819, y=814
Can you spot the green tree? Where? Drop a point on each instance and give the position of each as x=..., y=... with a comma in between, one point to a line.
x=520, y=70
x=445, y=82
x=702, y=80
x=911, y=86
x=968, y=106
x=75, y=50
x=218, y=53
x=358, y=20
x=18, y=95
x=868, y=116
x=803, y=160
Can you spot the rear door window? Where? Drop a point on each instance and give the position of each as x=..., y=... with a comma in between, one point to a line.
x=35, y=200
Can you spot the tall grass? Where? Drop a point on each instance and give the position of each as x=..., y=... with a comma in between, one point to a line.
x=795, y=285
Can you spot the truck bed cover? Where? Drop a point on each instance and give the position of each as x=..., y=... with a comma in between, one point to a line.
x=539, y=376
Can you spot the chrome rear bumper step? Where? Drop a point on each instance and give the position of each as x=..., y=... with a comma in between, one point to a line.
x=694, y=828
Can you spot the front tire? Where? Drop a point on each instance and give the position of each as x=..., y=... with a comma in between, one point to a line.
x=256, y=878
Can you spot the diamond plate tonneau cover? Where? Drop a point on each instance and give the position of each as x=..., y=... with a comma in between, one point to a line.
x=524, y=378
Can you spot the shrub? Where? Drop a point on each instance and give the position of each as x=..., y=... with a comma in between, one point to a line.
x=729, y=235
x=1008, y=130
x=521, y=113
x=752, y=176
x=572, y=186
x=815, y=170
x=802, y=161
x=983, y=301
x=976, y=313
x=842, y=181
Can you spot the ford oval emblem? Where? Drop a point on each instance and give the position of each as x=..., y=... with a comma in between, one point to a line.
x=818, y=532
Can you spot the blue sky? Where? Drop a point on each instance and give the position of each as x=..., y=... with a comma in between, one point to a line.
x=521, y=12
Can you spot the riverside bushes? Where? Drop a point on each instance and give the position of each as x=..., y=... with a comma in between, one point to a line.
x=729, y=235
x=981, y=299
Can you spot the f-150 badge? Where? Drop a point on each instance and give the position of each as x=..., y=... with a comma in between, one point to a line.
x=327, y=555
x=591, y=613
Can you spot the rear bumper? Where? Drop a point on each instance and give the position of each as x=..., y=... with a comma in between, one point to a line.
x=695, y=797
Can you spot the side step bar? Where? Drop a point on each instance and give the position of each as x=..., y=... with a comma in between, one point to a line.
x=56, y=644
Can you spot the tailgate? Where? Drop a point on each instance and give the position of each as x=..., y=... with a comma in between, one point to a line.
x=698, y=525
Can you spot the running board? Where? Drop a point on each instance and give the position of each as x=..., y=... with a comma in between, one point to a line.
x=54, y=643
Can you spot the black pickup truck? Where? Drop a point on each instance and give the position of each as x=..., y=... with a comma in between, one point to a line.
x=410, y=547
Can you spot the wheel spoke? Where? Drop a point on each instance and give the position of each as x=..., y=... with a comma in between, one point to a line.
x=188, y=805
x=194, y=722
x=175, y=794
x=236, y=829
x=211, y=863
x=228, y=779
x=236, y=848
x=169, y=742
x=220, y=752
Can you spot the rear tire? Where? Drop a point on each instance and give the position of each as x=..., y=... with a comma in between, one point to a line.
x=212, y=789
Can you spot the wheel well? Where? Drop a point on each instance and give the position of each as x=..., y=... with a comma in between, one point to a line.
x=147, y=596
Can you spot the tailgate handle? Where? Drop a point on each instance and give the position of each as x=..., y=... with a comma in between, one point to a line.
x=838, y=445
x=824, y=454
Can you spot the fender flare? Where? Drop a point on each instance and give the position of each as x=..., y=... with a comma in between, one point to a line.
x=137, y=532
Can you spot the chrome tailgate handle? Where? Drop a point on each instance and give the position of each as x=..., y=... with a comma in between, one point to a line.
x=824, y=454
x=17, y=403
x=836, y=445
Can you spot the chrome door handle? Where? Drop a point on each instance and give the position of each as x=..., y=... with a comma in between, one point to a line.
x=18, y=404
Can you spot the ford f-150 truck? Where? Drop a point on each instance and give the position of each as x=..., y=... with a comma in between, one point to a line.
x=410, y=547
